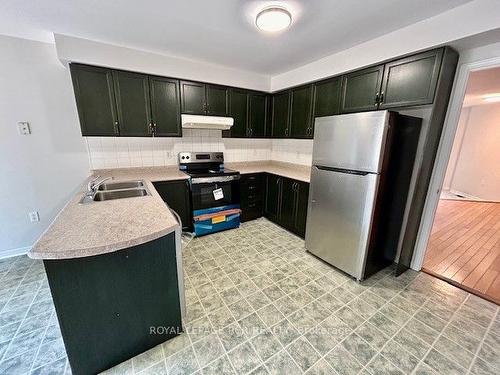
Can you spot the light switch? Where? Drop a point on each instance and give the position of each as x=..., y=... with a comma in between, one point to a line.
x=24, y=128
x=34, y=216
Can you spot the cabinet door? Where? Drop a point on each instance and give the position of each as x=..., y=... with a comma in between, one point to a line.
x=238, y=109
x=192, y=98
x=411, y=81
x=301, y=201
x=216, y=100
x=178, y=197
x=327, y=97
x=132, y=103
x=269, y=116
x=301, y=112
x=281, y=114
x=361, y=90
x=258, y=115
x=95, y=100
x=252, y=189
x=165, y=106
x=273, y=193
x=287, y=209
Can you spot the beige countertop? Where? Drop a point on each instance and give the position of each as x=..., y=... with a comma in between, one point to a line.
x=95, y=228
x=294, y=171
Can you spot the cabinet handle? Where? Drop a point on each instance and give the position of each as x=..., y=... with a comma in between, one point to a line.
x=154, y=129
x=377, y=96
x=286, y=132
x=251, y=131
x=381, y=97
x=150, y=128
x=116, y=127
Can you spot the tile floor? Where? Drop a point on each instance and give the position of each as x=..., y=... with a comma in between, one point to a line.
x=259, y=304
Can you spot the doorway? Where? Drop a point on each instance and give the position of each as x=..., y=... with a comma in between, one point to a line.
x=464, y=242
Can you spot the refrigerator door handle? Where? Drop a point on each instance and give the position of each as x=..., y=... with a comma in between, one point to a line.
x=340, y=170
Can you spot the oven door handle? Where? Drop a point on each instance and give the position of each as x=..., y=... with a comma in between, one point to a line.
x=207, y=180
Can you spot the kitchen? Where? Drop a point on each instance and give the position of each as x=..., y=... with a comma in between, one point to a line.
x=260, y=273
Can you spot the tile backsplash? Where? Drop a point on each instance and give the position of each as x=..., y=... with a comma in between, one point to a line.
x=114, y=152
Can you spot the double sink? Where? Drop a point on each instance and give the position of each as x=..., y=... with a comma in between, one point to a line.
x=117, y=190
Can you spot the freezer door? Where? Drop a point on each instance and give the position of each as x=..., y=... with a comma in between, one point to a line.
x=339, y=218
x=353, y=141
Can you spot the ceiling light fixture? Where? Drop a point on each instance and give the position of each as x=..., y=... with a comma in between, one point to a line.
x=492, y=97
x=273, y=19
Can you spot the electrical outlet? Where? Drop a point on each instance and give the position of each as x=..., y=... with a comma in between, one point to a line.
x=24, y=128
x=34, y=216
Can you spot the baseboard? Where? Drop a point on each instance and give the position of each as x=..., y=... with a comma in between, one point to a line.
x=465, y=195
x=14, y=252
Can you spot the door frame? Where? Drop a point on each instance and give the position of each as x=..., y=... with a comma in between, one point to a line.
x=443, y=155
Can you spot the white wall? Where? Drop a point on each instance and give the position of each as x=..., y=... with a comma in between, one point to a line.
x=471, y=18
x=71, y=49
x=475, y=171
x=111, y=152
x=457, y=144
x=42, y=170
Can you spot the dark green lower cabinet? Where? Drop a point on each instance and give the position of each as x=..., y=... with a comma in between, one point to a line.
x=252, y=193
x=273, y=197
x=286, y=203
x=178, y=197
x=114, y=306
x=301, y=201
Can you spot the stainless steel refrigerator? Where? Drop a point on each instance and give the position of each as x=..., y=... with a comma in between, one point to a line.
x=361, y=172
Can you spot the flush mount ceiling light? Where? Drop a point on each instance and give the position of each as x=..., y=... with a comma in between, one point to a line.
x=492, y=97
x=273, y=19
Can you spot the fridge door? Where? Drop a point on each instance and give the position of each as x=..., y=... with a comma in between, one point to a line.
x=339, y=217
x=353, y=141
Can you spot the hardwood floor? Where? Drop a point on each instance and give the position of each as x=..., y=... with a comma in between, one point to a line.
x=464, y=247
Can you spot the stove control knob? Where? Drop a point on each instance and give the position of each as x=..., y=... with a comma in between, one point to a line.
x=187, y=157
x=183, y=157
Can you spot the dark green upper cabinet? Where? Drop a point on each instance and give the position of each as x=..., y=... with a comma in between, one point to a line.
x=361, y=89
x=258, y=115
x=238, y=110
x=202, y=99
x=165, y=108
x=193, y=98
x=327, y=96
x=281, y=114
x=269, y=116
x=216, y=100
x=301, y=112
x=95, y=99
x=411, y=81
x=133, y=103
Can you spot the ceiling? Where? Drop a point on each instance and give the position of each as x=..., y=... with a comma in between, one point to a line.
x=481, y=82
x=219, y=31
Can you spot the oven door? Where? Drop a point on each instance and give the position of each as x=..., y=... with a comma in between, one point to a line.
x=213, y=192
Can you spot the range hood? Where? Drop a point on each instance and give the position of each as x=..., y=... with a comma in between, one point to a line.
x=206, y=122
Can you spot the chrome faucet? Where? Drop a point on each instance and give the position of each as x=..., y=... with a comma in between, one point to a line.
x=94, y=184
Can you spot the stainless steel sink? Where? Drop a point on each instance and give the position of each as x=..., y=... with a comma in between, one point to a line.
x=121, y=185
x=116, y=190
x=119, y=194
